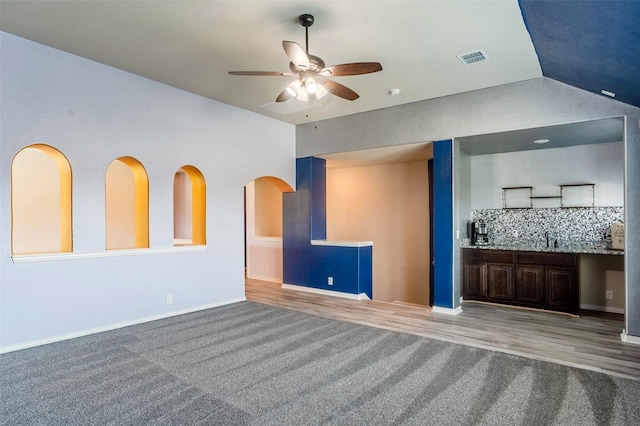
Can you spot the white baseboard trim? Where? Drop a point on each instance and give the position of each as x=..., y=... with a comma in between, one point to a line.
x=600, y=308
x=269, y=279
x=54, y=339
x=361, y=296
x=634, y=340
x=448, y=311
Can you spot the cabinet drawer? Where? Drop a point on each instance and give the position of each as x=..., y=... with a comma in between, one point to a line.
x=546, y=259
x=485, y=255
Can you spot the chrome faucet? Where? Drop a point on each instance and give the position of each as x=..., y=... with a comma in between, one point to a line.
x=546, y=236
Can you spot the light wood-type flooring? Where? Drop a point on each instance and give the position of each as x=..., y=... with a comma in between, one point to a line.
x=591, y=341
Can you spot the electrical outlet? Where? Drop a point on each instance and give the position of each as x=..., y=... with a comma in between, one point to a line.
x=609, y=294
x=169, y=299
x=330, y=281
x=516, y=234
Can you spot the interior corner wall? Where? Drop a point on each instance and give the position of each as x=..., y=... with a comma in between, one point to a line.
x=94, y=114
x=389, y=205
x=332, y=267
x=522, y=105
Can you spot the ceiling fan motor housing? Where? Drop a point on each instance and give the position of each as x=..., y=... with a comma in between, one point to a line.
x=316, y=64
x=306, y=20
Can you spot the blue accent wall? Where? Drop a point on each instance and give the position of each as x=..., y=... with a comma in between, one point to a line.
x=592, y=45
x=305, y=219
x=443, y=225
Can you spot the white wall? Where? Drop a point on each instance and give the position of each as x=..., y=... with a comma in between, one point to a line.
x=95, y=114
x=545, y=169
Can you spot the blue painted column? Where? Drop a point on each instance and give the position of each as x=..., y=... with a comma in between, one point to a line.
x=304, y=218
x=443, y=292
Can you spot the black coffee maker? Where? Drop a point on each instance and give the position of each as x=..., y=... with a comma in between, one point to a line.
x=479, y=233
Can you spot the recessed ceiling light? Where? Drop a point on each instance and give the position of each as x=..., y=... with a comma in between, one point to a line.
x=541, y=141
x=394, y=92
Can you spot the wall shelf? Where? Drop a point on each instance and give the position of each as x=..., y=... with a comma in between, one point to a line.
x=579, y=195
x=517, y=197
x=573, y=195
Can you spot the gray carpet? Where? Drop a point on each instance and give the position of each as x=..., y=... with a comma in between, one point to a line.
x=249, y=363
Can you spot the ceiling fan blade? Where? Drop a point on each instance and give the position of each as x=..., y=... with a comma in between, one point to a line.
x=261, y=73
x=355, y=68
x=339, y=90
x=296, y=54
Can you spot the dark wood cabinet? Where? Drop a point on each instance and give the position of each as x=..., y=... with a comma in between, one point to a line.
x=562, y=288
x=500, y=281
x=475, y=278
x=530, y=279
x=530, y=284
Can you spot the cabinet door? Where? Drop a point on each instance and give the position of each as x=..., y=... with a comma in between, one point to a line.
x=475, y=280
x=530, y=284
x=500, y=282
x=562, y=288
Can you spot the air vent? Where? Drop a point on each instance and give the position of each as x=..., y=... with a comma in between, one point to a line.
x=473, y=57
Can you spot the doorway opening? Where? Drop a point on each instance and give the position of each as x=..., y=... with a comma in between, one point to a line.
x=263, y=228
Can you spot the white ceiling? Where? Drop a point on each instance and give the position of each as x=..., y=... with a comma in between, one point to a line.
x=193, y=44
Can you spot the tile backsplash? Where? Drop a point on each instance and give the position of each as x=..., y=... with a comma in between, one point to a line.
x=567, y=225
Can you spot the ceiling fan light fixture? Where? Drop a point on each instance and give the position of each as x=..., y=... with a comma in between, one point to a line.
x=294, y=87
x=311, y=86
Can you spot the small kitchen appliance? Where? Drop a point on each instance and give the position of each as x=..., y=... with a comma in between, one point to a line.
x=479, y=233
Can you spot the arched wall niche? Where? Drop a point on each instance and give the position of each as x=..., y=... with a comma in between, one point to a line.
x=189, y=207
x=127, y=205
x=41, y=205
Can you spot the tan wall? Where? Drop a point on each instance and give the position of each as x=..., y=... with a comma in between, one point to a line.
x=599, y=273
x=182, y=206
x=120, y=207
x=388, y=204
x=268, y=199
x=35, y=203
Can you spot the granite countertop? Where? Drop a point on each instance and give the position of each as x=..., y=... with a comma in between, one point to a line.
x=570, y=247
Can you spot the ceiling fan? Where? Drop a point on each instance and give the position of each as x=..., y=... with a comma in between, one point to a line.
x=313, y=80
